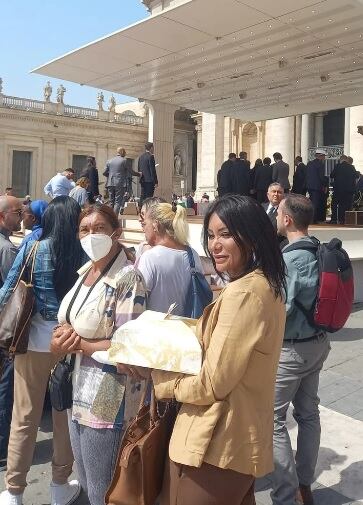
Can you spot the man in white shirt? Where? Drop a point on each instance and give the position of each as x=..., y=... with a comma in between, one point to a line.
x=61, y=184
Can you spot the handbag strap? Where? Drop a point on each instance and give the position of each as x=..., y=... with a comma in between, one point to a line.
x=78, y=289
x=154, y=416
x=31, y=256
x=191, y=259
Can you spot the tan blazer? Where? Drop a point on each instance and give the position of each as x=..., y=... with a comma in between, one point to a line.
x=226, y=418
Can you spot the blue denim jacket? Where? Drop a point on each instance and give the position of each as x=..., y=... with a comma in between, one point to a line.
x=302, y=284
x=46, y=300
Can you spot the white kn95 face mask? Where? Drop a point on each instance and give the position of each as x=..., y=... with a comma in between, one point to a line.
x=96, y=245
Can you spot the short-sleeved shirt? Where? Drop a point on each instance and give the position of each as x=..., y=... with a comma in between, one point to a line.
x=80, y=195
x=167, y=275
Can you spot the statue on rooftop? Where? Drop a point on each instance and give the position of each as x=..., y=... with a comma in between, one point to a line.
x=112, y=104
x=47, y=92
x=100, y=100
x=60, y=93
x=1, y=85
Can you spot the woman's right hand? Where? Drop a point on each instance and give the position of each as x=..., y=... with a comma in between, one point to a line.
x=64, y=340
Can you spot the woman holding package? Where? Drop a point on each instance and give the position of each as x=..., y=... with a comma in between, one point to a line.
x=222, y=438
x=108, y=293
x=58, y=256
x=165, y=267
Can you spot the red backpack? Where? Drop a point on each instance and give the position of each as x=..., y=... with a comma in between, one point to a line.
x=334, y=300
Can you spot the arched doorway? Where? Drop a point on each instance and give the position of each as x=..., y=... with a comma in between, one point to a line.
x=250, y=141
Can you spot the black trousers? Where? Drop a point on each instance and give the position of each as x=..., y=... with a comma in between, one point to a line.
x=317, y=199
x=342, y=201
x=147, y=191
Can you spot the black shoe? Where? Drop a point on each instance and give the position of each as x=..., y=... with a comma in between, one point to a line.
x=3, y=464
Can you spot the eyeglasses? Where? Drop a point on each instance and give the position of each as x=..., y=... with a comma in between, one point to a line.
x=19, y=212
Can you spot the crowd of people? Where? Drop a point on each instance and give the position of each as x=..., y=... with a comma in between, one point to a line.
x=260, y=352
x=238, y=176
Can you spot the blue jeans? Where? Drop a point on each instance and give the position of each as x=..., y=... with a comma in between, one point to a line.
x=6, y=401
x=95, y=453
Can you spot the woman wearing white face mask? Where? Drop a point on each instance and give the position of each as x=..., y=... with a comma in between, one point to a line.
x=108, y=293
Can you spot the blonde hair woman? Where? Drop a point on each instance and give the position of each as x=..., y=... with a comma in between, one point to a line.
x=165, y=267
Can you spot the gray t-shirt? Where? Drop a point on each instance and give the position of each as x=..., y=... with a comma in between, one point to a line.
x=167, y=276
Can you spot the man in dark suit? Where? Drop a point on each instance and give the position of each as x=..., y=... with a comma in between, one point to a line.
x=280, y=172
x=149, y=178
x=344, y=186
x=224, y=176
x=316, y=184
x=275, y=195
x=263, y=179
x=299, y=180
x=118, y=172
x=241, y=177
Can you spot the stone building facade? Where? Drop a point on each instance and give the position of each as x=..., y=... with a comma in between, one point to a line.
x=41, y=138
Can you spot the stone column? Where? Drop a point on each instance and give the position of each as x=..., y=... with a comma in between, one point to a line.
x=4, y=161
x=347, y=131
x=355, y=138
x=47, y=168
x=161, y=133
x=280, y=137
x=298, y=127
x=212, y=155
x=319, y=128
x=307, y=131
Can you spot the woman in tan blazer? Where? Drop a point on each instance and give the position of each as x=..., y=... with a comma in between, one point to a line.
x=222, y=438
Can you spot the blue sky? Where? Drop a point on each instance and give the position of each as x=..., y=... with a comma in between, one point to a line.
x=33, y=32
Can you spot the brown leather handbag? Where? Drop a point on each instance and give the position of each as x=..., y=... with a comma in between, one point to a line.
x=139, y=471
x=16, y=315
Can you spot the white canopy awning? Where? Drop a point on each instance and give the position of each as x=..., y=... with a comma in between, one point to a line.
x=250, y=59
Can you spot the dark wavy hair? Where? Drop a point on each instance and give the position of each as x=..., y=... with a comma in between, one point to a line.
x=60, y=226
x=251, y=230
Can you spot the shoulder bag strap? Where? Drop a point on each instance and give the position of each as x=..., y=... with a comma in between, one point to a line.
x=31, y=254
x=71, y=303
x=191, y=259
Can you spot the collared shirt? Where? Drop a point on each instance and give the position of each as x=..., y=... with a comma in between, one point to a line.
x=59, y=185
x=302, y=285
x=270, y=207
x=8, y=252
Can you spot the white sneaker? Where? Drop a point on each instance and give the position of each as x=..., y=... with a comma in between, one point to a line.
x=7, y=498
x=63, y=494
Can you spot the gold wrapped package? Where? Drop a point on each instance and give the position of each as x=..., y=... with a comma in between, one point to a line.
x=159, y=341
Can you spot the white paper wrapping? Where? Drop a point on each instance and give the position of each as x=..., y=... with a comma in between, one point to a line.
x=152, y=341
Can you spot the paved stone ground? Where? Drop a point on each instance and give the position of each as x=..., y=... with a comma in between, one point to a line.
x=340, y=468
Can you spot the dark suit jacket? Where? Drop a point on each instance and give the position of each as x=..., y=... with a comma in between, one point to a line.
x=240, y=177
x=147, y=168
x=299, y=181
x=119, y=171
x=263, y=177
x=315, y=175
x=224, y=178
x=345, y=178
x=280, y=174
x=273, y=219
